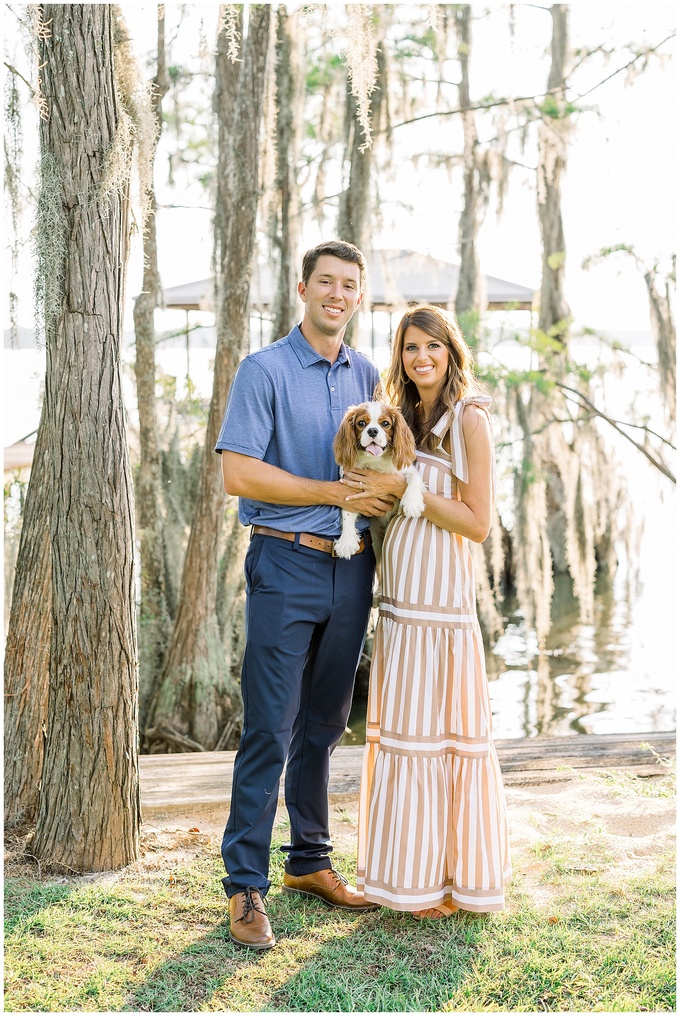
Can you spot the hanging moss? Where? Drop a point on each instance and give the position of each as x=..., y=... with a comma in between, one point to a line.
x=13, y=150
x=660, y=287
x=136, y=132
x=362, y=64
x=49, y=246
x=180, y=478
x=229, y=24
x=571, y=462
x=663, y=333
x=490, y=618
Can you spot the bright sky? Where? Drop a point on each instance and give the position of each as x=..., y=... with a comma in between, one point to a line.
x=620, y=184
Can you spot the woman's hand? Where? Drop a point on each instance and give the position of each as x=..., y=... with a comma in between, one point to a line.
x=370, y=483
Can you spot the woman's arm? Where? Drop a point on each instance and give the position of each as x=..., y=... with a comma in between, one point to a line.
x=469, y=517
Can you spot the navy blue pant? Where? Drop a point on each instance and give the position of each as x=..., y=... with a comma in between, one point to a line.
x=306, y=617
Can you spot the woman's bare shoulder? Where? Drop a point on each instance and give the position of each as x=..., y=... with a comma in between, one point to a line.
x=474, y=417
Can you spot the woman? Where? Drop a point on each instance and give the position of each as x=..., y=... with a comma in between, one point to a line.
x=432, y=827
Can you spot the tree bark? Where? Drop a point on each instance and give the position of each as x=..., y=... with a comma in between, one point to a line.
x=470, y=295
x=154, y=619
x=197, y=695
x=27, y=652
x=88, y=813
x=230, y=594
x=289, y=112
x=227, y=73
x=552, y=156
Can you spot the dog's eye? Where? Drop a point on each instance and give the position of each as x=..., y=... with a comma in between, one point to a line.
x=361, y=424
x=386, y=424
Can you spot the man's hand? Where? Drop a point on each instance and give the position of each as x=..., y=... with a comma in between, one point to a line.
x=367, y=505
x=371, y=483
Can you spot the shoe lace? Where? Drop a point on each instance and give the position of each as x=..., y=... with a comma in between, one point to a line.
x=249, y=905
x=341, y=880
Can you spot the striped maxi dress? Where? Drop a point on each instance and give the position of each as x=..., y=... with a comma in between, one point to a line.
x=432, y=822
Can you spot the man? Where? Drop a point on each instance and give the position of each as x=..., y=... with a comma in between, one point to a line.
x=306, y=610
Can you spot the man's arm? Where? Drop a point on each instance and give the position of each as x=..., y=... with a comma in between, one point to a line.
x=249, y=477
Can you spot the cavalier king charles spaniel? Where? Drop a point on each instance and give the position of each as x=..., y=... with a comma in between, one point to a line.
x=376, y=436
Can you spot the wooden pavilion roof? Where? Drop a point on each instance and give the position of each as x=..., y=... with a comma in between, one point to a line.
x=395, y=279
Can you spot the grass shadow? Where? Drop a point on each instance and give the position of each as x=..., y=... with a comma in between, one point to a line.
x=184, y=982
x=381, y=961
x=325, y=961
x=24, y=899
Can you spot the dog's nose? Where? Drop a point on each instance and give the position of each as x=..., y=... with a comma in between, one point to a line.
x=372, y=431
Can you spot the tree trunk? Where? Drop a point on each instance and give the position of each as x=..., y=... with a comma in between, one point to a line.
x=230, y=594
x=197, y=695
x=559, y=461
x=88, y=813
x=27, y=652
x=154, y=620
x=353, y=213
x=289, y=112
x=470, y=295
x=227, y=74
x=552, y=155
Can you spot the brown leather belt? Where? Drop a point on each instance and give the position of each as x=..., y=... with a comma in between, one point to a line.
x=309, y=540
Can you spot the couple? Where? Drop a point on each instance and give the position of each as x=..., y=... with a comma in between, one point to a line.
x=432, y=834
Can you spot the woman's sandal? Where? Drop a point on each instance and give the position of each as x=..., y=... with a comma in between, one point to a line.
x=446, y=909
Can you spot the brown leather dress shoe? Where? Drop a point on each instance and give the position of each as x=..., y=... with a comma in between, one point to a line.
x=249, y=924
x=331, y=887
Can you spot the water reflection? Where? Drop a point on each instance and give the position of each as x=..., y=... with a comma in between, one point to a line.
x=604, y=677
x=585, y=682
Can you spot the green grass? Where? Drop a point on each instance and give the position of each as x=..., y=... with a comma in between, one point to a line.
x=157, y=941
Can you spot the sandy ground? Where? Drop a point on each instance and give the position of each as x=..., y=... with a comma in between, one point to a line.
x=620, y=828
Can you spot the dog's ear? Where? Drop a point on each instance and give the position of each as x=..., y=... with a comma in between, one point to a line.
x=345, y=443
x=403, y=442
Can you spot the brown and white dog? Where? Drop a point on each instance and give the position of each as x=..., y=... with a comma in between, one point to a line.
x=376, y=436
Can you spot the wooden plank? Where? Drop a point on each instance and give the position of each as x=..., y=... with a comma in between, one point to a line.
x=201, y=782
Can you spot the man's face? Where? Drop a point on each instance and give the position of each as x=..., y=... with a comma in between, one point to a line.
x=331, y=296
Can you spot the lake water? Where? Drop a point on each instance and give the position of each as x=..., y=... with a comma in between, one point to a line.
x=614, y=676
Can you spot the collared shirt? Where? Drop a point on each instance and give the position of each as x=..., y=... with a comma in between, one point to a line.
x=284, y=407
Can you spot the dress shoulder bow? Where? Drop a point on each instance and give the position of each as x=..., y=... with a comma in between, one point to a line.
x=452, y=421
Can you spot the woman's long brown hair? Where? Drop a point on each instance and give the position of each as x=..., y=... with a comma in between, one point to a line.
x=460, y=379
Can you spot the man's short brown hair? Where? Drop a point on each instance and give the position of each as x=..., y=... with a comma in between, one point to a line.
x=337, y=249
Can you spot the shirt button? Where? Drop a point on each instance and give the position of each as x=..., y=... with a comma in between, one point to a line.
x=332, y=388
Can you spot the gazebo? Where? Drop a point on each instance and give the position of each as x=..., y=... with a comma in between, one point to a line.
x=395, y=279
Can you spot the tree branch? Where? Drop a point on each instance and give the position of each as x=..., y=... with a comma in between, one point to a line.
x=20, y=75
x=613, y=423
x=527, y=98
x=630, y=63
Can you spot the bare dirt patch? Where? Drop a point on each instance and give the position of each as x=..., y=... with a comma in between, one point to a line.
x=619, y=829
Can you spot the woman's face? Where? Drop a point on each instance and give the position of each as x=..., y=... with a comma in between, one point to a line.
x=426, y=362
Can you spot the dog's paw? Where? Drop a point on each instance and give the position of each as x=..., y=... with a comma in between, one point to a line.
x=346, y=546
x=412, y=504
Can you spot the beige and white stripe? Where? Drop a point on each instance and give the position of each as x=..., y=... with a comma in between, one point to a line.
x=432, y=823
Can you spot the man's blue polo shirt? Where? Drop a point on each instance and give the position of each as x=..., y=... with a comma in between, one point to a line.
x=285, y=406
